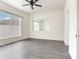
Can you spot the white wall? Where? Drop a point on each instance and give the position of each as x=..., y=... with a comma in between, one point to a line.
x=56, y=22
x=25, y=21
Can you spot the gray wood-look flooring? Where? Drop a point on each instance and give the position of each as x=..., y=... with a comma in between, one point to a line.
x=35, y=49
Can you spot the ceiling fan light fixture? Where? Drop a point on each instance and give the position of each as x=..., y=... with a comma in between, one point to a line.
x=32, y=3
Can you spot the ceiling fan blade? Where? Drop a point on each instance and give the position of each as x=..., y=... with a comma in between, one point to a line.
x=37, y=5
x=27, y=1
x=25, y=4
x=36, y=0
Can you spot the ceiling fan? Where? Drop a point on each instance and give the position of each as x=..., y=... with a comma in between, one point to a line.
x=32, y=3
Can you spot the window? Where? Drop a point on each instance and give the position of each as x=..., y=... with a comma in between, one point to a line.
x=40, y=25
x=36, y=26
x=10, y=25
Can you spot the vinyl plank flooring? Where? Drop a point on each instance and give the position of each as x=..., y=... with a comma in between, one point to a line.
x=35, y=49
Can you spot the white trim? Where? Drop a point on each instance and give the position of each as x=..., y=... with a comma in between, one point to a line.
x=48, y=39
x=11, y=40
x=66, y=43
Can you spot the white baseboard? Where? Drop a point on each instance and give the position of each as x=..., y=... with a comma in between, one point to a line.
x=7, y=40
x=70, y=54
x=11, y=40
x=47, y=39
x=66, y=43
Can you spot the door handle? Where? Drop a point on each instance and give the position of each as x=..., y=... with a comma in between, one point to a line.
x=77, y=35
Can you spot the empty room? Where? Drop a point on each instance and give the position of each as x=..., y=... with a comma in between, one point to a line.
x=39, y=29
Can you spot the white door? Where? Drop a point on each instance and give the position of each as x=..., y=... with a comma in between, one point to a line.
x=78, y=29
x=73, y=28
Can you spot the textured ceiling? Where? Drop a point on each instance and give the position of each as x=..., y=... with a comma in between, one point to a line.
x=48, y=5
